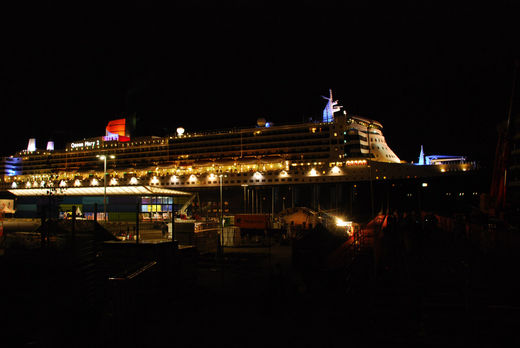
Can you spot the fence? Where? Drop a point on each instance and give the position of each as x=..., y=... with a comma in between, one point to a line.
x=345, y=259
x=125, y=230
x=127, y=295
x=487, y=235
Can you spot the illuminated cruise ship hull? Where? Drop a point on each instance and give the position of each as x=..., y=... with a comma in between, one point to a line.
x=347, y=149
x=282, y=164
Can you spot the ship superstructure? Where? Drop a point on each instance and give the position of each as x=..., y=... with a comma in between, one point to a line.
x=335, y=139
x=317, y=148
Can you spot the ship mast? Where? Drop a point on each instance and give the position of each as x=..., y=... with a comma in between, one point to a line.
x=331, y=107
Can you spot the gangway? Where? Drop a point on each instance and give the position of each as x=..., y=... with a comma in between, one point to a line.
x=184, y=208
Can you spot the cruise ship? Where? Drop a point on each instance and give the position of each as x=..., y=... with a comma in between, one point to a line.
x=337, y=148
x=335, y=139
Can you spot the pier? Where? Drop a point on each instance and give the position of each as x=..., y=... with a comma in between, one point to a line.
x=450, y=286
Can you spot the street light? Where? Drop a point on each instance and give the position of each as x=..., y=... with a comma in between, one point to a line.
x=104, y=159
x=221, y=239
x=370, y=174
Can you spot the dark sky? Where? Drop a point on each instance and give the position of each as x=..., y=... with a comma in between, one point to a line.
x=434, y=75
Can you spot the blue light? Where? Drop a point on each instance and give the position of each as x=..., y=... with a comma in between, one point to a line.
x=267, y=125
x=331, y=107
x=421, y=157
x=328, y=115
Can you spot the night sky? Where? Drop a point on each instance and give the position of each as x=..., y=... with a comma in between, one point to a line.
x=434, y=75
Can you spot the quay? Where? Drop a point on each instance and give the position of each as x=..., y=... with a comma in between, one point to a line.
x=446, y=289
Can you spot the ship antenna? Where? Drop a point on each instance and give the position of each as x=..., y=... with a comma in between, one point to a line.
x=331, y=107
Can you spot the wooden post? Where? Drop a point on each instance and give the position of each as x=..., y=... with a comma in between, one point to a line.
x=137, y=222
x=272, y=204
x=73, y=228
x=43, y=229
x=292, y=196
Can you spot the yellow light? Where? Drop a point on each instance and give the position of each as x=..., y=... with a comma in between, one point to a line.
x=335, y=170
x=113, y=181
x=257, y=175
x=77, y=183
x=283, y=173
x=133, y=181
x=63, y=183
x=154, y=181
x=342, y=223
x=313, y=172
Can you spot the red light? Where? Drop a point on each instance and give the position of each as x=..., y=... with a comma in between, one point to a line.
x=117, y=127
